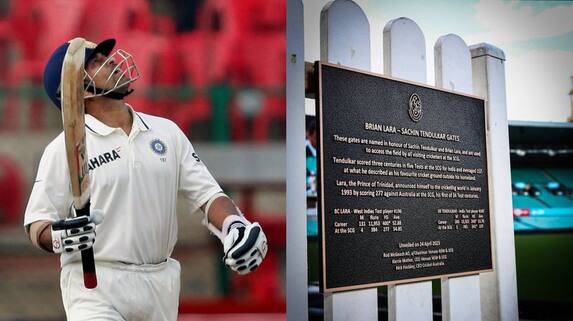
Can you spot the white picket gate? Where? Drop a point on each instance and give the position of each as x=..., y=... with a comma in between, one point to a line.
x=345, y=40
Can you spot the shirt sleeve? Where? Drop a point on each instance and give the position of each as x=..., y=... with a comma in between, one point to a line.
x=196, y=183
x=51, y=197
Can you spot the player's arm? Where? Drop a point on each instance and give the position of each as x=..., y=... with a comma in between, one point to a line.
x=46, y=216
x=39, y=234
x=244, y=243
x=219, y=208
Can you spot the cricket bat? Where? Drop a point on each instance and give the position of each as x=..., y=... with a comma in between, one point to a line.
x=73, y=113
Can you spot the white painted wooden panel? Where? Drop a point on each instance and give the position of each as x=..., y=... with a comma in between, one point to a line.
x=296, y=265
x=461, y=298
x=453, y=64
x=361, y=305
x=410, y=302
x=453, y=71
x=345, y=40
x=404, y=52
x=345, y=35
x=405, y=57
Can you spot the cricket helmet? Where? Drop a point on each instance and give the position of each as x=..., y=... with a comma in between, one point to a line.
x=124, y=65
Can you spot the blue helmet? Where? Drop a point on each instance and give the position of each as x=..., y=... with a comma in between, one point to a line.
x=53, y=69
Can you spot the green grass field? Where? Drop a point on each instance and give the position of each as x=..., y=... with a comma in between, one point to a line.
x=544, y=267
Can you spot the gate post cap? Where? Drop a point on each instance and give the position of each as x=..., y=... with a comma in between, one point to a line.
x=486, y=49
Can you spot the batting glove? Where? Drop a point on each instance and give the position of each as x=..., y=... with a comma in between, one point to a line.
x=245, y=247
x=75, y=234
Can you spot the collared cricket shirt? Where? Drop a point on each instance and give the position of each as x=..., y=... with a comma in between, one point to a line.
x=135, y=180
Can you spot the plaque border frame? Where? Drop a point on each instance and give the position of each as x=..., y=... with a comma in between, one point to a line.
x=319, y=109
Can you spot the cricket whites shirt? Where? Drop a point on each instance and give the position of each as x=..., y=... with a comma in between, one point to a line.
x=135, y=180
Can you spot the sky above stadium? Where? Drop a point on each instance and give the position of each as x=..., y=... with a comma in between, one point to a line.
x=536, y=36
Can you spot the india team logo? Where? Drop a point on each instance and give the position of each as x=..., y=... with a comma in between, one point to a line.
x=158, y=146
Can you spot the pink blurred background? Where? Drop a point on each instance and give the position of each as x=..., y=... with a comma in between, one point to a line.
x=216, y=68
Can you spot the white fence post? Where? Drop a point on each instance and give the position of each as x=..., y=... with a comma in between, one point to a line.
x=405, y=57
x=296, y=266
x=453, y=70
x=345, y=40
x=498, y=288
x=345, y=35
x=404, y=51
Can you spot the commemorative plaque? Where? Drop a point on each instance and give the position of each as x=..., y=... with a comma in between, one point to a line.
x=403, y=188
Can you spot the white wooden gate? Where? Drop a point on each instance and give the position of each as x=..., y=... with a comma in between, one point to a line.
x=479, y=69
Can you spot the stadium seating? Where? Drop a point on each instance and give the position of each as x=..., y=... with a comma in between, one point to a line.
x=220, y=17
x=35, y=29
x=237, y=44
x=264, y=285
x=195, y=109
x=254, y=16
x=192, y=78
x=146, y=49
x=206, y=58
x=12, y=189
x=273, y=110
x=108, y=18
x=264, y=59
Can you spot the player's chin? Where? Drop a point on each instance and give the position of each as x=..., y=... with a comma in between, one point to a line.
x=122, y=89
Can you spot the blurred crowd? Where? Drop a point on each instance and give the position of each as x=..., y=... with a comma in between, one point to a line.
x=216, y=67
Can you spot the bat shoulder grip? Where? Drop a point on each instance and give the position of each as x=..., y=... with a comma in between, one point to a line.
x=84, y=211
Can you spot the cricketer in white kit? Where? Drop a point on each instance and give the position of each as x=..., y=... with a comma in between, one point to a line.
x=138, y=164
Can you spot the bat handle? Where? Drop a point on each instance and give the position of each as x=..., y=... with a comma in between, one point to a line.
x=88, y=263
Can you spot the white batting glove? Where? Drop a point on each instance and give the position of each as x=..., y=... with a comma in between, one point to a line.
x=245, y=247
x=75, y=234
